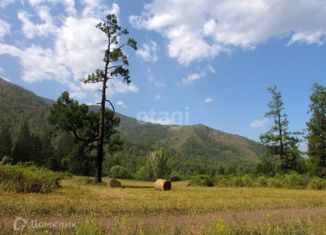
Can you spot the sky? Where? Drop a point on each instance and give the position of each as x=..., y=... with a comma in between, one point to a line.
x=207, y=62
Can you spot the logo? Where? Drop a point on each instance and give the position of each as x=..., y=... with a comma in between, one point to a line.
x=20, y=224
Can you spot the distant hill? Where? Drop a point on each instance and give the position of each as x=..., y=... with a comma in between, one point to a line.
x=184, y=145
x=18, y=104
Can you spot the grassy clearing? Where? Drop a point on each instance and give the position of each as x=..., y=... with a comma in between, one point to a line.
x=79, y=200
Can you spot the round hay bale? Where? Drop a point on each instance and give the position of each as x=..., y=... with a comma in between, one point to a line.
x=114, y=183
x=163, y=185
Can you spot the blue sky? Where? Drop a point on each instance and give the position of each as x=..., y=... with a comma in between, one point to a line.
x=206, y=62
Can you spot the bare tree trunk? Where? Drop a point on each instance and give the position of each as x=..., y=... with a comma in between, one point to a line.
x=281, y=137
x=101, y=134
x=100, y=144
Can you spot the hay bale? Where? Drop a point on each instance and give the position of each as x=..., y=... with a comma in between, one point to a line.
x=163, y=185
x=114, y=183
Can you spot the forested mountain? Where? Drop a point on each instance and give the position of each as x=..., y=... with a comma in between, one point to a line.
x=18, y=104
x=190, y=149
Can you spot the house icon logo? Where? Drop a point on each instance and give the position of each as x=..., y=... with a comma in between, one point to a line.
x=20, y=224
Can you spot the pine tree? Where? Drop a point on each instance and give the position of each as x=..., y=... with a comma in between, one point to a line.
x=278, y=140
x=116, y=63
x=77, y=119
x=317, y=131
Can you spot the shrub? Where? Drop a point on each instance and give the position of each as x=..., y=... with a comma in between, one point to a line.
x=261, y=181
x=202, y=180
x=175, y=176
x=22, y=178
x=241, y=181
x=317, y=183
x=120, y=172
x=294, y=180
x=223, y=181
x=246, y=180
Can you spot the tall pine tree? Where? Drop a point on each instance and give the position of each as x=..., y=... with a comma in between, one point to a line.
x=317, y=131
x=115, y=66
x=278, y=140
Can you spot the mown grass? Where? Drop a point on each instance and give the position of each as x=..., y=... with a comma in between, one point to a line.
x=80, y=200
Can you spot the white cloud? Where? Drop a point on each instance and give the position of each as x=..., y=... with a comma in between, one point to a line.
x=1, y=69
x=259, y=123
x=208, y=100
x=121, y=104
x=203, y=29
x=188, y=80
x=42, y=30
x=79, y=45
x=118, y=86
x=191, y=78
x=69, y=5
x=148, y=52
x=77, y=48
x=99, y=8
x=4, y=28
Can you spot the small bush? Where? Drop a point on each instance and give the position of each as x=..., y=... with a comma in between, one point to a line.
x=242, y=181
x=294, y=180
x=120, y=172
x=202, y=180
x=175, y=176
x=261, y=181
x=317, y=183
x=275, y=182
x=22, y=178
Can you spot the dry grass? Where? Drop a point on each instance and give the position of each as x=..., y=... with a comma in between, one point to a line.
x=79, y=198
x=83, y=201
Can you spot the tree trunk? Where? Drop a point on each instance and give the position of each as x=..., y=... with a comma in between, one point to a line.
x=100, y=144
x=101, y=134
x=281, y=137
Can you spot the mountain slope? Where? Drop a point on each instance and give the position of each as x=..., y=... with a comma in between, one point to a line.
x=185, y=145
x=18, y=104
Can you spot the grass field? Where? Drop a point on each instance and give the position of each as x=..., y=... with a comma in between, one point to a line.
x=95, y=209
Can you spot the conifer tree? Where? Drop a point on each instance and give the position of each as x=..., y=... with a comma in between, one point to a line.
x=317, y=131
x=278, y=140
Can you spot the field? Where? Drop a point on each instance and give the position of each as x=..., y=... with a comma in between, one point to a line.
x=81, y=207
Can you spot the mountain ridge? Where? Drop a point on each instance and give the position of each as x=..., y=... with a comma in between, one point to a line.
x=184, y=144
